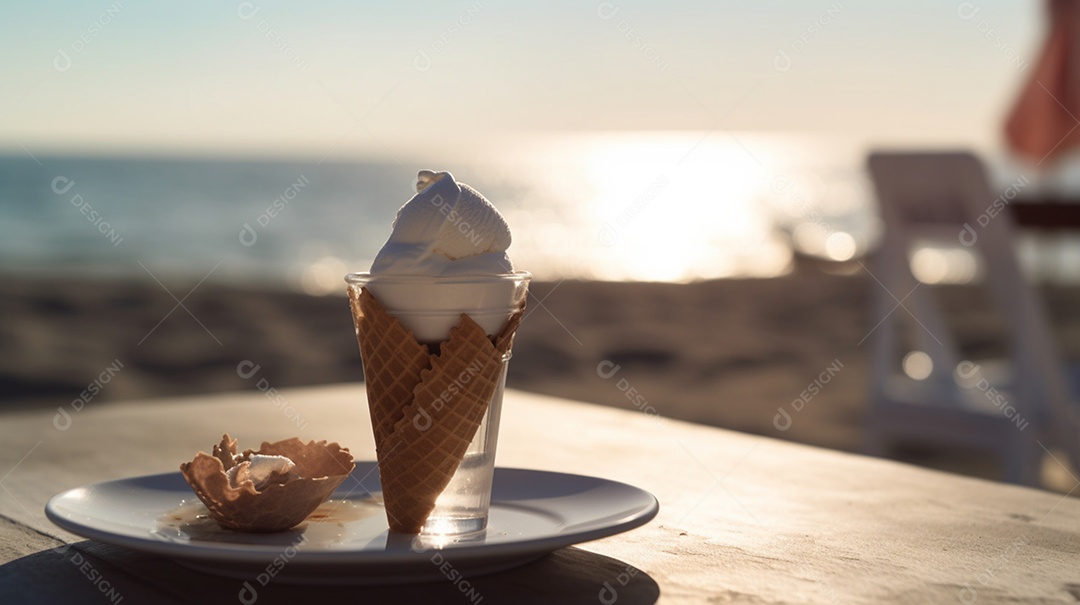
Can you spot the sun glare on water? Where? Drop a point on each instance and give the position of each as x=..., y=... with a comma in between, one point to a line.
x=663, y=206
x=648, y=207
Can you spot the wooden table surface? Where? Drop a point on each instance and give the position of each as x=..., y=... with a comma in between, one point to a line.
x=743, y=519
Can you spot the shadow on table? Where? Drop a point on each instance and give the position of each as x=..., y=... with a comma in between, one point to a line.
x=89, y=572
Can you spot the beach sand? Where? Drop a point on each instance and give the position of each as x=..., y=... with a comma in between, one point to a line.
x=727, y=353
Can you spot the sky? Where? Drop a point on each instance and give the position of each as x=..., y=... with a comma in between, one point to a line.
x=366, y=78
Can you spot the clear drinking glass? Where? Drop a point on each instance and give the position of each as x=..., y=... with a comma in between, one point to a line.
x=429, y=307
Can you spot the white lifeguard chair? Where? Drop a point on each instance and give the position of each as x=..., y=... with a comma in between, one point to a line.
x=946, y=197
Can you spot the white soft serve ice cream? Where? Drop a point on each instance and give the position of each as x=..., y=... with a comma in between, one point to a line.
x=447, y=228
x=258, y=469
x=446, y=256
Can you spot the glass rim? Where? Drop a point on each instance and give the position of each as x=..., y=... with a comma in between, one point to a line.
x=364, y=277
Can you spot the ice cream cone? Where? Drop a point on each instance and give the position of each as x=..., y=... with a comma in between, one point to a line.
x=392, y=361
x=435, y=318
x=425, y=408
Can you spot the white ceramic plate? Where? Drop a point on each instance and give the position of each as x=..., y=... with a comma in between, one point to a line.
x=346, y=540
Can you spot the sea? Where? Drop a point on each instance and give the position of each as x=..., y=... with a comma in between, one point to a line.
x=638, y=206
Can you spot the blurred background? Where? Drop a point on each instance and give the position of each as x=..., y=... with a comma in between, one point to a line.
x=183, y=186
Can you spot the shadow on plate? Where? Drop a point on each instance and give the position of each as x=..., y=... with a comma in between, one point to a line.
x=90, y=572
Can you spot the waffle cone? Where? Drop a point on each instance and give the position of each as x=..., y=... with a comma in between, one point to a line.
x=425, y=408
x=392, y=361
x=320, y=469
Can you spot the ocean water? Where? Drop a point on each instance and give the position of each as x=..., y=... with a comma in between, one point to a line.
x=616, y=206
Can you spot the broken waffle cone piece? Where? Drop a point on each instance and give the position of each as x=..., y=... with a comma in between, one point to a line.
x=425, y=408
x=283, y=499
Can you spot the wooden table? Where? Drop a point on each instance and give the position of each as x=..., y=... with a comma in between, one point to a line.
x=742, y=519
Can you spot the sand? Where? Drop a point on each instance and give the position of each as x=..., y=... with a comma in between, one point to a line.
x=727, y=353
